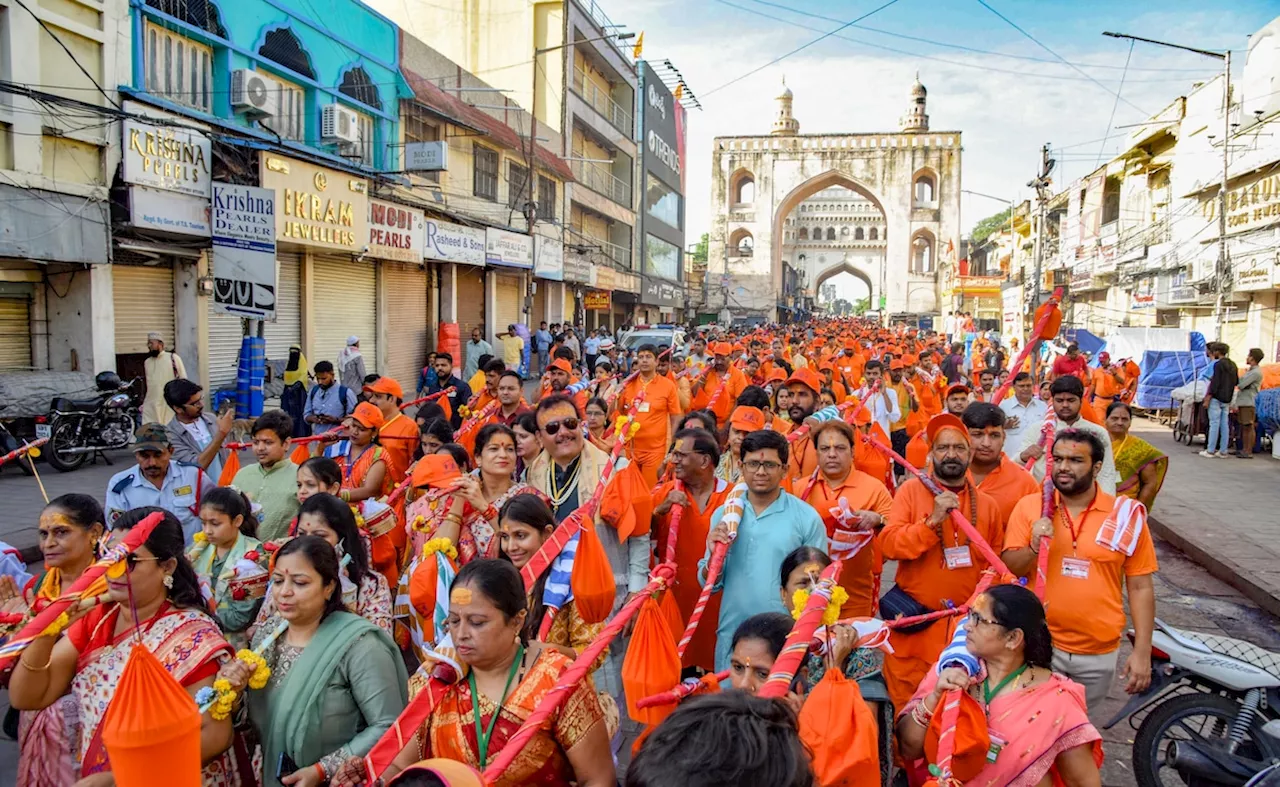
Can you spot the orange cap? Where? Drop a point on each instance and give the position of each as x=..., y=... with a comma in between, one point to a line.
x=806, y=377
x=954, y=388
x=896, y=363
x=385, y=385
x=910, y=360
x=747, y=419
x=721, y=348
x=850, y=344
x=368, y=415
x=945, y=421
x=435, y=470
x=562, y=365
x=777, y=374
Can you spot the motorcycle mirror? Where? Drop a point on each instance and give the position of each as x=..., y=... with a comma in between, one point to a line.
x=1272, y=728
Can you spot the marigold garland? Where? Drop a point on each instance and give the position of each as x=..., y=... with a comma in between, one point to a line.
x=200, y=537
x=831, y=615
x=261, y=672
x=435, y=545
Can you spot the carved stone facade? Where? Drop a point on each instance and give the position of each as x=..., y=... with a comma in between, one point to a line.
x=767, y=188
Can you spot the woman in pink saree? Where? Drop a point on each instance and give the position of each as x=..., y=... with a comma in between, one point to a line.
x=1039, y=729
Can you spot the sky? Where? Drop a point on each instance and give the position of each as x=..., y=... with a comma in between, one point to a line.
x=1007, y=99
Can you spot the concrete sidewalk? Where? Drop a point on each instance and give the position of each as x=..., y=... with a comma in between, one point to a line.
x=1223, y=513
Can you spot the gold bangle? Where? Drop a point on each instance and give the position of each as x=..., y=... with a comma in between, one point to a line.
x=30, y=668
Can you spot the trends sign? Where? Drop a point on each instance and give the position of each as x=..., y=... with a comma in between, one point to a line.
x=662, y=142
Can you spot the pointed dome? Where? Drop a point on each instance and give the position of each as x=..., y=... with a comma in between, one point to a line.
x=786, y=91
x=917, y=90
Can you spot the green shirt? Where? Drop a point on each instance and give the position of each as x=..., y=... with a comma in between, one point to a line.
x=276, y=490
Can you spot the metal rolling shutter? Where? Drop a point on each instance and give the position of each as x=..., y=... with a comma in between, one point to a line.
x=506, y=303
x=15, y=333
x=470, y=281
x=287, y=329
x=539, y=306
x=143, y=298
x=225, y=333
x=346, y=304
x=407, y=329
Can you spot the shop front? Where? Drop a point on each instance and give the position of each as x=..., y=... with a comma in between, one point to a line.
x=508, y=260
x=457, y=254
x=548, y=271
x=396, y=237
x=579, y=275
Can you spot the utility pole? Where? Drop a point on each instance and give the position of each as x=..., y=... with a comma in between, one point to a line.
x=1041, y=184
x=1222, y=269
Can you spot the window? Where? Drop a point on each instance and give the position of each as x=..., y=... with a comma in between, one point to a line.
x=420, y=126
x=178, y=68
x=546, y=198
x=364, y=148
x=357, y=84
x=831, y=233
x=485, y=173
x=874, y=234
x=662, y=202
x=921, y=255
x=804, y=233
x=517, y=185
x=290, y=121
x=200, y=14
x=1111, y=200
x=662, y=258
x=743, y=189
x=858, y=234
x=741, y=243
x=282, y=47
x=924, y=191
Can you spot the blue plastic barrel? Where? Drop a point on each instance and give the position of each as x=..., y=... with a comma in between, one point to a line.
x=251, y=373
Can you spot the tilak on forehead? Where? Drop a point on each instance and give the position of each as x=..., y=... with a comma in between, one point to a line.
x=460, y=596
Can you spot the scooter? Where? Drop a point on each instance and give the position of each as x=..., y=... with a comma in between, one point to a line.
x=1201, y=720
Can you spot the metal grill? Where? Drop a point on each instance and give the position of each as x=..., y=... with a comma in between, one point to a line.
x=200, y=14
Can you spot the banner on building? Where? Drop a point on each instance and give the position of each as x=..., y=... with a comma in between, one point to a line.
x=449, y=242
x=166, y=211
x=244, y=251
x=512, y=249
x=317, y=206
x=395, y=232
x=171, y=159
x=596, y=301
x=1144, y=294
x=549, y=259
x=578, y=268
x=1257, y=272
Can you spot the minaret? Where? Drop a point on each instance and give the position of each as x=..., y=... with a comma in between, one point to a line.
x=784, y=123
x=916, y=119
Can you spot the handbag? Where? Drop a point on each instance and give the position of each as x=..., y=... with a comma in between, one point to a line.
x=897, y=603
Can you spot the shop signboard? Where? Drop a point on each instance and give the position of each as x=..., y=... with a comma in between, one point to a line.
x=1143, y=295
x=548, y=262
x=510, y=249
x=448, y=242
x=167, y=211
x=395, y=232
x=244, y=251
x=318, y=206
x=1256, y=272
x=596, y=301
x=577, y=268
x=167, y=158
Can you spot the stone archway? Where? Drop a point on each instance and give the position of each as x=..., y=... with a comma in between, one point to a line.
x=802, y=192
x=844, y=266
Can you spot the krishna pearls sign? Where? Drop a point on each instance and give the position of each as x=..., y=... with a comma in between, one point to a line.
x=395, y=232
x=168, y=158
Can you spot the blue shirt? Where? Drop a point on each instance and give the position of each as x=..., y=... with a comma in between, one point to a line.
x=328, y=401
x=544, y=340
x=184, y=487
x=750, y=582
x=592, y=345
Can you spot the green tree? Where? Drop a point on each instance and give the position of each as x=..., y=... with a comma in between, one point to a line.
x=983, y=229
x=862, y=305
x=700, y=250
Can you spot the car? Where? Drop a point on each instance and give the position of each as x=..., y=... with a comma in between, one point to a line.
x=663, y=336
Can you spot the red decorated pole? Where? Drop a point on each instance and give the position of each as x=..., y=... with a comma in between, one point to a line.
x=956, y=517
x=733, y=505
x=660, y=578
x=19, y=452
x=406, y=725
x=476, y=420
x=904, y=622
x=133, y=539
x=1046, y=508
x=674, y=695
x=1037, y=334
x=797, y=644
x=427, y=398
x=673, y=530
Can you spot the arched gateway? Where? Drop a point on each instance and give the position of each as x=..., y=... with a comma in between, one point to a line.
x=884, y=206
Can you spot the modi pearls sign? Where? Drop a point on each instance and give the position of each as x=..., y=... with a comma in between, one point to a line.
x=317, y=206
x=172, y=159
x=395, y=232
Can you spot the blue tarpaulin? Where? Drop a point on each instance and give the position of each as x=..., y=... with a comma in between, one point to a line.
x=1268, y=405
x=1163, y=371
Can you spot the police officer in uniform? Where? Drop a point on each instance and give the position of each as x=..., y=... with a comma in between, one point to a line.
x=159, y=480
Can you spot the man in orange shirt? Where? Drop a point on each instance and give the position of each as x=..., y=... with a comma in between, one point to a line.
x=656, y=405
x=993, y=471
x=723, y=375
x=956, y=399
x=398, y=434
x=559, y=375
x=937, y=564
x=1106, y=383
x=804, y=385
x=1131, y=374
x=850, y=363
x=492, y=371
x=697, y=489
x=1084, y=603
x=839, y=487
x=827, y=368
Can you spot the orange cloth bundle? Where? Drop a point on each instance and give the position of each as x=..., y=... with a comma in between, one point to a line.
x=591, y=580
x=230, y=468
x=626, y=503
x=838, y=727
x=651, y=664
x=972, y=741
x=152, y=727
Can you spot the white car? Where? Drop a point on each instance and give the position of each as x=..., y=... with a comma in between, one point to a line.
x=663, y=336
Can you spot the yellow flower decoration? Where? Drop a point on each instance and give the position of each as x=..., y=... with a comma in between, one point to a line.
x=55, y=628
x=261, y=672
x=799, y=600
x=831, y=615
x=435, y=545
x=226, y=698
x=464, y=411
x=200, y=537
x=419, y=523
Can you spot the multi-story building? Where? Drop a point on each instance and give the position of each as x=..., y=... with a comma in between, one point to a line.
x=59, y=65
x=564, y=60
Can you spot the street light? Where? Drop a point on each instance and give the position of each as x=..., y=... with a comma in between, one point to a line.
x=1223, y=269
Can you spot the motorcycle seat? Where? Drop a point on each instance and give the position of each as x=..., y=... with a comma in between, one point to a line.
x=87, y=404
x=1247, y=652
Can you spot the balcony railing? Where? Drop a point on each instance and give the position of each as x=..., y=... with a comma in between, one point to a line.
x=603, y=182
x=618, y=116
x=606, y=25
x=619, y=254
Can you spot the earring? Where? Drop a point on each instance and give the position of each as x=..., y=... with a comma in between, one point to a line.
x=168, y=581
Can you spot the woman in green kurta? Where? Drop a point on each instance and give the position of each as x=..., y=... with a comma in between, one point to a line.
x=337, y=681
x=224, y=541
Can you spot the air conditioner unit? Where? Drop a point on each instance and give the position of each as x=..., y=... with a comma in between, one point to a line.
x=254, y=94
x=339, y=124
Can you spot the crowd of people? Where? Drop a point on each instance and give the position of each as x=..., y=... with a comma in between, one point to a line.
x=451, y=531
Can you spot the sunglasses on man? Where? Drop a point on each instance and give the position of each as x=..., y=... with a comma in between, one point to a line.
x=552, y=427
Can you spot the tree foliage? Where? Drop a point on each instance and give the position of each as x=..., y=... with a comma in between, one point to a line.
x=983, y=229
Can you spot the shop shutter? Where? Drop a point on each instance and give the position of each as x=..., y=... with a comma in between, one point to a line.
x=470, y=281
x=15, y=333
x=287, y=329
x=407, y=329
x=506, y=300
x=143, y=298
x=345, y=301
x=539, y=306
x=225, y=334
x=1235, y=335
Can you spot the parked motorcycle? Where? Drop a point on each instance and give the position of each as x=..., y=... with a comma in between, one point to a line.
x=10, y=443
x=1203, y=716
x=80, y=428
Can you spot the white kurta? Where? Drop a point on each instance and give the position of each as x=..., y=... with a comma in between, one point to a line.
x=160, y=370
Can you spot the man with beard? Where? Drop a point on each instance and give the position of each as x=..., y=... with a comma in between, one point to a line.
x=955, y=399
x=1066, y=396
x=655, y=402
x=804, y=385
x=445, y=378
x=986, y=387
x=698, y=354
x=994, y=472
x=722, y=374
x=559, y=377
x=567, y=472
x=511, y=398
x=196, y=436
x=328, y=402
x=850, y=363
x=776, y=360
x=937, y=564
x=1097, y=544
x=158, y=480
x=493, y=369
x=159, y=368
x=773, y=524
x=694, y=457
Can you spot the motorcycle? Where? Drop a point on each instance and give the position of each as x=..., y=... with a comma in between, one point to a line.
x=10, y=443
x=1204, y=714
x=80, y=428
